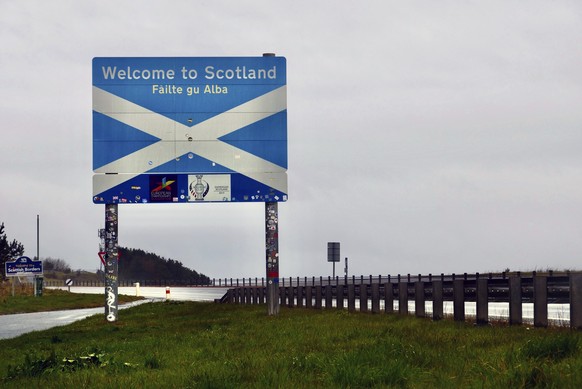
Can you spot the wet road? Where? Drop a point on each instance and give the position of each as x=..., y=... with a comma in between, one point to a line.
x=15, y=325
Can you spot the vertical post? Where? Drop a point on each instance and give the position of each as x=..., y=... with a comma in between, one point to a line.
x=328, y=296
x=403, y=298
x=419, y=299
x=459, y=300
x=351, y=297
x=37, y=238
x=300, y=295
x=363, y=297
x=482, y=301
x=575, y=301
x=515, y=309
x=375, y=298
x=339, y=296
x=437, y=300
x=540, y=285
x=308, y=296
x=318, y=296
x=272, y=254
x=346, y=269
x=111, y=263
x=388, y=298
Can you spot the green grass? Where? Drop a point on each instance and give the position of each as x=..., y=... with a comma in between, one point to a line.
x=205, y=345
x=52, y=300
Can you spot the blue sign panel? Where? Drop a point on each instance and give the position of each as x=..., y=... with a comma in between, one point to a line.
x=221, y=118
x=185, y=188
x=23, y=266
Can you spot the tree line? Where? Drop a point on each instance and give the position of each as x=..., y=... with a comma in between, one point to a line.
x=137, y=264
x=134, y=264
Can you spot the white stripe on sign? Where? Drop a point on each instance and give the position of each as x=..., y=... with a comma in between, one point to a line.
x=206, y=134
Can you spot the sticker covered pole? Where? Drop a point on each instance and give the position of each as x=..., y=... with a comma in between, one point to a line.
x=272, y=254
x=111, y=262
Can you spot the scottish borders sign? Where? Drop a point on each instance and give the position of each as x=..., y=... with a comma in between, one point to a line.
x=23, y=266
x=189, y=129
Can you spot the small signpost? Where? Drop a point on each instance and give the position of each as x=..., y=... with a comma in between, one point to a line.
x=333, y=254
x=23, y=266
x=26, y=267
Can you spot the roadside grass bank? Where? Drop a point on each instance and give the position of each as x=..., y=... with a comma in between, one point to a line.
x=24, y=301
x=205, y=345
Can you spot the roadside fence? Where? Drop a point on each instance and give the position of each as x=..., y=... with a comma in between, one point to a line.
x=380, y=294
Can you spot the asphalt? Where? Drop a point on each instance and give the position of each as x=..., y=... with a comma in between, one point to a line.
x=15, y=325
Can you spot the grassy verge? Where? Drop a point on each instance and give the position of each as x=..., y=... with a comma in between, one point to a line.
x=181, y=345
x=52, y=300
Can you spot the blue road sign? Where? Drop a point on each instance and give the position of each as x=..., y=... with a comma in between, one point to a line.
x=189, y=129
x=23, y=266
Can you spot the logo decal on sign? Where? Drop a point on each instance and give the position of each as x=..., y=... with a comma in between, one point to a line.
x=162, y=189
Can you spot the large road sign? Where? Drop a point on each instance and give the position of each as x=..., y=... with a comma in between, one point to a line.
x=189, y=129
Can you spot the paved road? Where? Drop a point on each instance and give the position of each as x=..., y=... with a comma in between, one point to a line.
x=12, y=326
x=176, y=293
x=15, y=325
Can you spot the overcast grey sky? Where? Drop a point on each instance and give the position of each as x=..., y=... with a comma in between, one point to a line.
x=425, y=136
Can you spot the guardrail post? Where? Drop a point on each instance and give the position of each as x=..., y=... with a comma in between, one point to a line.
x=308, y=296
x=459, y=300
x=482, y=301
x=388, y=298
x=291, y=296
x=351, y=297
x=515, y=310
x=419, y=307
x=318, y=297
x=256, y=295
x=300, y=295
x=437, y=300
x=375, y=298
x=262, y=294
x=282, y=295
x=328, y=296
x=403, y=298
x=576, y=301
x=339, y=296
x=363, y=297
x=540, y=290
x=236, y=293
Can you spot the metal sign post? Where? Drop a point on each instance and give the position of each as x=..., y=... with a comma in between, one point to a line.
x=272, y=251
x=333, y=254
x=111, y=262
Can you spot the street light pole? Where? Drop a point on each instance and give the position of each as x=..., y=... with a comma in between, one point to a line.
x=37, y=238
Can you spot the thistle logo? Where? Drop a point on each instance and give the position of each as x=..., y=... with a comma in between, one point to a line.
x=162, y=188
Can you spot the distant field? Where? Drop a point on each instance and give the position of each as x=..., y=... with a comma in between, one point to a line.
x=189, y=344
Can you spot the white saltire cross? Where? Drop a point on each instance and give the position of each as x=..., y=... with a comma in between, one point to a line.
x=200, y=139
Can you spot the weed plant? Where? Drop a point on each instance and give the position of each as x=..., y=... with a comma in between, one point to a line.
x=205, y=345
